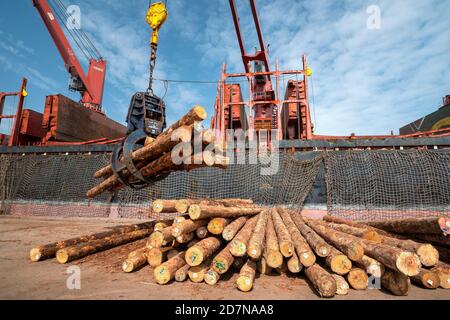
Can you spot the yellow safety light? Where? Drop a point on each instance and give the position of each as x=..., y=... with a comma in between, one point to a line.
x=308, y=72
x=24, y=93
x=156, y=16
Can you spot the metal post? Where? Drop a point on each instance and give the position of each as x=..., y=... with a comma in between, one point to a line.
x=14, y=140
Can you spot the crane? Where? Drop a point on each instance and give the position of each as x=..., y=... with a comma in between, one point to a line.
x=90, y=84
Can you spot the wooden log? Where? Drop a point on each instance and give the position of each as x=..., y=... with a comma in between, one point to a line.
x=372, y=266
x=316, y=242
x=159, y=226
x=233, y=228
x=443, y=272
x=342, y=286
x=395, y=282
x=356, y=231
x=428, y=255
x=197, y=274
x=79, y=251
x=338, y=262
x=444, y=254
x=137, y=252
x=432, y=238
x=273, y=255
x=201, y=251
x=187, y=226
x=183, y=205
x=304, y=251
x=49, y=250
x=357, y=278
x=348, y=244
x=185, y=238
x=166, y=271
x=256, y=242
x=246, y=276
x=223, y=261
x=164, y=206
x=197, y=212
x=432, y=225
x=181, y=274
x=394, y=258
x=293, y=264
x=202, y=232
x=211, y=277
x=162, y=143
x=157, y=256
x=216, y=225
x=284, y=238
x=161, y=238
x=426, y=279
x=238, y=247
x=239, y=262
x=322, y=281
x=172, y=253
x=179, y=219
x=137, y=260
x=262, y=267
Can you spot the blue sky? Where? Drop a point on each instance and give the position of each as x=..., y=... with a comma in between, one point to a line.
x=365, y=81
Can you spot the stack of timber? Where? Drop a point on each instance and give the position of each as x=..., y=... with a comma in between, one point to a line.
x=182, y=139
x=212, y=239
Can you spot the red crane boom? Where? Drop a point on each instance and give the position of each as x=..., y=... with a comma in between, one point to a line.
x=91, y=85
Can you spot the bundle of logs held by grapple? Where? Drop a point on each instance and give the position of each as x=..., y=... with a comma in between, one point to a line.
x=215, y=237
x=155, y=157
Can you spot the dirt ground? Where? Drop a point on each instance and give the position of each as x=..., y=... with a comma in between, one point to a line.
x=102, y=277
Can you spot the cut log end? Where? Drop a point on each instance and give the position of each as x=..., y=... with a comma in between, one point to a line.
x=162, y=275
x=62, y=256
x=287, y=249
x=408, y=263
x=211, y=277
x=158, y=206
x=194, y=211
x=181, y=206
x=194, y=256
x=274, y=258
x=342, y=286
x=340, y=264
x=323, y=250
x=254, y=252
x=358, y=279
x=238, y=248
x=307, y=258
x=428, y=255
x=244, y=283
x=35, y=255
x=372, y=236
x=127, y=266
x=355, y=252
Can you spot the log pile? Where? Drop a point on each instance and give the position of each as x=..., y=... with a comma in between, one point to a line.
x=156, y=157
x=221, y=237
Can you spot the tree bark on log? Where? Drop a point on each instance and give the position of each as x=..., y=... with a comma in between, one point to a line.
x=233, y=228
x=357, y=232
x=197, y=212
x=438, y=226
x=187, y=226
x=316, y=242
x=395, y=282
x=157, y=256
x=372, y=266
x=427, y=279
x=159, y=226
x=246, y=276
x=162, y=143
x=285, y=241
x=348, y=244
x=238, y=247
x=256, y=242
x=394, y=258
x=161, y=238
x=444, y=254
x=262, y=267
x=358, y=279
x=338, y=262
x=201, y=232
x=201, y=251
x=166, y=272
x=273, y=255
x=294, y=265
x=342, y=285
x=183, y=205
x=322, y=281
x=216, y=225
x=433, y=239
x=181, y=274
x=69, y=254
x=223, y=261
x=137, y=252
x=211, y=277
x=185, y=238
x=304, y=251
x=49, y=250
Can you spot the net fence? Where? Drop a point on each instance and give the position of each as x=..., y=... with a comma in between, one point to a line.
x=359, y=185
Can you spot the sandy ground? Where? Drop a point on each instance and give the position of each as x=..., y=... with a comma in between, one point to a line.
x=102, y=277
